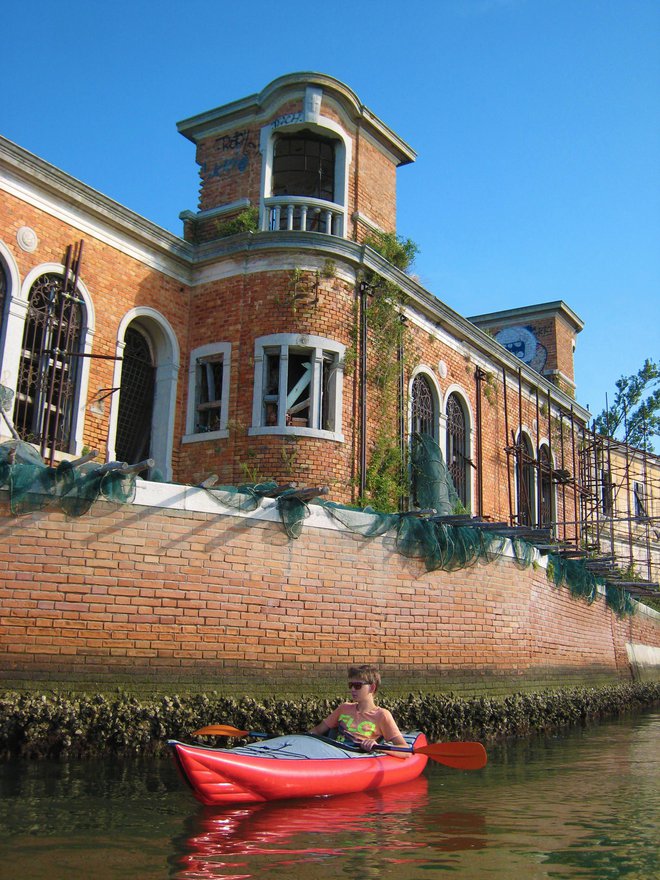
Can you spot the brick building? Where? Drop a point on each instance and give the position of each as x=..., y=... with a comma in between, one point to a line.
x=250, y=347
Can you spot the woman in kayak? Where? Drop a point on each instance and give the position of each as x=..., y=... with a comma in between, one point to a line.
x=361, y=722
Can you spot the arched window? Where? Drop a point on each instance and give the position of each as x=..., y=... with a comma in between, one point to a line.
x=304, y=165
x=525, y=482
x=424, y=418
x=545, y=488
x=49, y=367
x=457, y=448
x=303, y=187
x=136, y=398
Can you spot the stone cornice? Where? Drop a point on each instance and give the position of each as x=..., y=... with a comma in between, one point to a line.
x=360, y=258
x=28, y=177
x=203, y=125
x=531, y=313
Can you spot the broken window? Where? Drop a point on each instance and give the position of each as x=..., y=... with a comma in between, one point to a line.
x=298, y=386
x=209, y=393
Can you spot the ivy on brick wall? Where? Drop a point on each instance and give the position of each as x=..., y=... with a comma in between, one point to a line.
x=386, y=480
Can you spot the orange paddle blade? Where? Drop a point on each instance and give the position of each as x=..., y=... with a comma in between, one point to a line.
x=462, y=755
x=220, y=730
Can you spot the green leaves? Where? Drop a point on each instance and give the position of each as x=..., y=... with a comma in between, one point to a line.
x=631, y=417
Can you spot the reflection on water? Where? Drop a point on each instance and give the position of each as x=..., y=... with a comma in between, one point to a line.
x=583, y=805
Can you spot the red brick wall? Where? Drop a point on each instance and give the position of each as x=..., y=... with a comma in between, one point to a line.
x=168, y=598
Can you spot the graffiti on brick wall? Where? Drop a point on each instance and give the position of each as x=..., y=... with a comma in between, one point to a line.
x=240, y=143
x=522, y=342
x=288, y=119
x=239, y=140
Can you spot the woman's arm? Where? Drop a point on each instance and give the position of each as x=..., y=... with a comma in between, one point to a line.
x=389, y=729
x=327, y=724
x=321, y=729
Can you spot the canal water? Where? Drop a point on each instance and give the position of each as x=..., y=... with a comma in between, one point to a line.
x=584, y=804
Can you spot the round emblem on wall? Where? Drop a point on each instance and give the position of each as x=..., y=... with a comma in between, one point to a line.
x=27, y=239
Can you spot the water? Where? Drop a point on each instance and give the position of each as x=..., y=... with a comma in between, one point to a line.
x=580, y=805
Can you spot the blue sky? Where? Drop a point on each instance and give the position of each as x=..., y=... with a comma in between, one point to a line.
x=536, y=123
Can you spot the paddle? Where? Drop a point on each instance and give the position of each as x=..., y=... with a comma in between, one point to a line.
x=461, y=755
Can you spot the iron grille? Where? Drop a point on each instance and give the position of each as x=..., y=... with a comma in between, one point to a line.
x=545, y=488
x=456, y=440
x=525, y=478
x=423, y=409
x=49, y=365
x=136, y=399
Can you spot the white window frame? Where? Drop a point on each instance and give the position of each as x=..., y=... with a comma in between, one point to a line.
x=318, y=346
x=219, y=350
x=309, y=118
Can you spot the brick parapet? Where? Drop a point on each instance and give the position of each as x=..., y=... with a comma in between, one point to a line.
x=175, y=591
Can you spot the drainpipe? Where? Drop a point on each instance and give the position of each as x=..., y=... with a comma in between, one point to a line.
x=400, y=355
x=480, y=375
x=363, y=293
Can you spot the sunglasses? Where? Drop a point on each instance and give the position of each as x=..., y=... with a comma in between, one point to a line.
x=356, y=685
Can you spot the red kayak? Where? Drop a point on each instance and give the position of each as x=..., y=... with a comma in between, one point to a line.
x=291, y=767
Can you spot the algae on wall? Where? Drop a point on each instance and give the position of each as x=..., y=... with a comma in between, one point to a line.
x=58, y=725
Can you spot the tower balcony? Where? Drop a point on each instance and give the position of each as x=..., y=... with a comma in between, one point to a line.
x=303, y=214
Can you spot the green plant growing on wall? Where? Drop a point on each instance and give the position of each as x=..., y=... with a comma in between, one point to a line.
x=398, y=251
x=246, y=221
x=250, y=470
x=329, y=269
x=386, y=478
x=303, y=289
x=289, y=453
x=490, y=389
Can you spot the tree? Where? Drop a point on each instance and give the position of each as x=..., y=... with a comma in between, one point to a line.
x=633, y=417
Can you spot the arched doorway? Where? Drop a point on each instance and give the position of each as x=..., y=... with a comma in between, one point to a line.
x=136, y=398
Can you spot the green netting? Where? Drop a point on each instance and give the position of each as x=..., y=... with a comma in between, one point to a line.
x=446, y=546
x=573, y=574
x=246, y=497
x=434, y=487
x=452, y=547
x=363, y=521
x=620, y=601
x=34, y=485
x=293, y=513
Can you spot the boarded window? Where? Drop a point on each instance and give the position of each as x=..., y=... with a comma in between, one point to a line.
x=210, y=372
